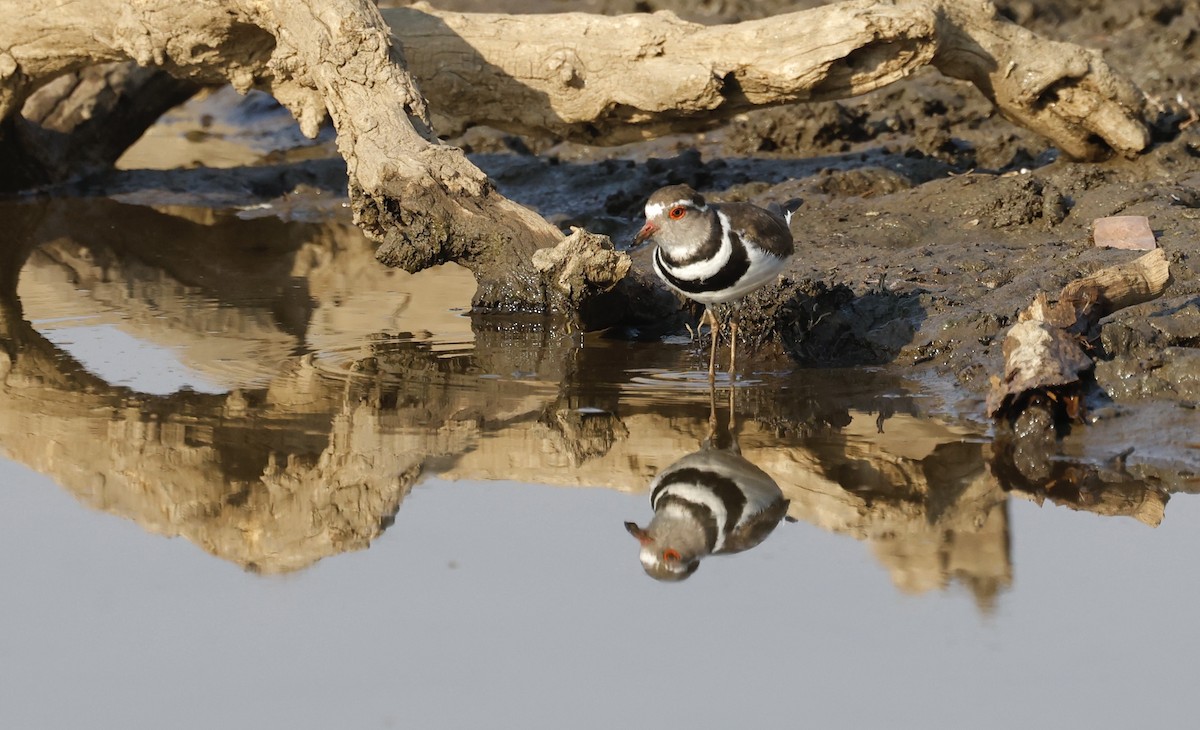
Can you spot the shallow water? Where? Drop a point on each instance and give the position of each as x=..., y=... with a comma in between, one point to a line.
x=394, y=514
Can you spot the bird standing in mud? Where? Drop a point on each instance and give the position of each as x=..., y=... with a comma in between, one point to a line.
x=715, y=253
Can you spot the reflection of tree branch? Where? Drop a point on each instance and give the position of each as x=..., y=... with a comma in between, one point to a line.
x=248, y=480
x=917, y=494
x=209, y=255
x=272, y=479
x=1082, y=487
x=21, y=221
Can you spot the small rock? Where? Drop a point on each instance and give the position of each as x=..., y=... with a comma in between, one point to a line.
x=1131, y=232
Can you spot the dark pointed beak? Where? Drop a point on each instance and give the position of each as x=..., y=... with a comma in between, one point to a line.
x=647, y=231
x=642, y=536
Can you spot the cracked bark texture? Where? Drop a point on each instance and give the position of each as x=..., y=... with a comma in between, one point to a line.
x=615, y=79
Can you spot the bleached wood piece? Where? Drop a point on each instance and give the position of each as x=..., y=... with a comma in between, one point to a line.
x=610, y=80
x=1044, y=349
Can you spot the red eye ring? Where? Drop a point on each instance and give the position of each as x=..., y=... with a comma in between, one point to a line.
x=671, y=555
x=677, y=212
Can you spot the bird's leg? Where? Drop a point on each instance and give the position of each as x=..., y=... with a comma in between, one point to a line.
x=733, y=425
x=714, y=329
x=712, y=412
x=708, y=318
x=694, y=334
x=733, y=328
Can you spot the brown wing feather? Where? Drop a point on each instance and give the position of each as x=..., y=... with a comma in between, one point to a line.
x=767, y=229
x=756, y=529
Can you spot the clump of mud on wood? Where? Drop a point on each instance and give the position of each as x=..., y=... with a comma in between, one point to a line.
x=594, y=284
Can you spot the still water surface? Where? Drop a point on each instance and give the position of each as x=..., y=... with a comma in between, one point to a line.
x=250, y=478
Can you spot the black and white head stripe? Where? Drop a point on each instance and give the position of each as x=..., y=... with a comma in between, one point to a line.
x=717, y=266
x=713, y=500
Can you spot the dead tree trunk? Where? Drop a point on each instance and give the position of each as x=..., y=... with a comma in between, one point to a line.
x=602, y=79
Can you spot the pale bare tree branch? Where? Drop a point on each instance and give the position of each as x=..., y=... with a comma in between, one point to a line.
x=611, y=80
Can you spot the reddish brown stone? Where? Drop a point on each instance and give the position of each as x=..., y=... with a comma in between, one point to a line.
x=1130, y=232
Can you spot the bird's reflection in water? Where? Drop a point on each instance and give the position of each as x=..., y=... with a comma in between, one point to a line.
x=710, y=502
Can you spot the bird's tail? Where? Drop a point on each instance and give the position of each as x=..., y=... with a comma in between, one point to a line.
x=787, y=210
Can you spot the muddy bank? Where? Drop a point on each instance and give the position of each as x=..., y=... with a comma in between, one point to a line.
x=929, y=222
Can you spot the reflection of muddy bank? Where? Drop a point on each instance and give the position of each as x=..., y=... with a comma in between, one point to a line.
x=1105, y=489
x=325, y=421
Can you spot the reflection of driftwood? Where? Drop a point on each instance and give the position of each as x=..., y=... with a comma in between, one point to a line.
x=1081, y=487
x=629, y=76
x=1044, y=350
x=925, y=503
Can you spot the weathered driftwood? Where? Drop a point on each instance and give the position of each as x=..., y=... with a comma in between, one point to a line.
x=603, y=79
x=1044, y=350
x=609, y=80
x=425, y=201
